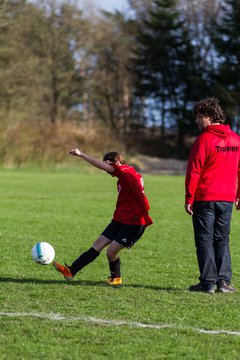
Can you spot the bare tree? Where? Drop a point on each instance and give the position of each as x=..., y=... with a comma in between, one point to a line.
x=111, y=79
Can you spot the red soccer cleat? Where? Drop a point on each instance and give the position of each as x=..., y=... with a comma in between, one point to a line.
x=64, y=270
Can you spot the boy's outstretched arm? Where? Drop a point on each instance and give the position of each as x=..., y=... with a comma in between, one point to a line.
x=100, y=164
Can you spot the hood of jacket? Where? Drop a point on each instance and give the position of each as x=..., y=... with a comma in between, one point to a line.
x=221, y=130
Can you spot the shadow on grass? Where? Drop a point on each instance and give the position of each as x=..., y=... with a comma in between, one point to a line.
x=84, y=283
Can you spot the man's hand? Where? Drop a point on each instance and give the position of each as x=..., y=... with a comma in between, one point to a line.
x=237, y=203
x=189, y=209
x=75, y=152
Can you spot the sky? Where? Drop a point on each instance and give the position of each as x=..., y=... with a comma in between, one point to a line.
x=109, y=5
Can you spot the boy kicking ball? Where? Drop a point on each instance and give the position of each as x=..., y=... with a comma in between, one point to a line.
x=130, y=219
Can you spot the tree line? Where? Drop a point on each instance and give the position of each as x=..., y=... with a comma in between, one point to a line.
x=140, y=70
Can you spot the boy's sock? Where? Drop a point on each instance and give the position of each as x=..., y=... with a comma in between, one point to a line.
x=114, y=267
x=84, y=259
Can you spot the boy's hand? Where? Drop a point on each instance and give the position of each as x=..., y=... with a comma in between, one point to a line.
x=75, y=152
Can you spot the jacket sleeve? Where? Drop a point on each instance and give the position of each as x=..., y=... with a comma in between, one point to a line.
x=194, y=169
x=238, y=188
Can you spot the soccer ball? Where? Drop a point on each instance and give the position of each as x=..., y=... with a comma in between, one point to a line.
x=43, y=253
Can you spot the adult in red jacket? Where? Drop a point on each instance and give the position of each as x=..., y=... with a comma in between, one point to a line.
x=129, y=220
x=212, y=187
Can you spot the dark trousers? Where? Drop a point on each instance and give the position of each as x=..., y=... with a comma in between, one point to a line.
x=211, y=223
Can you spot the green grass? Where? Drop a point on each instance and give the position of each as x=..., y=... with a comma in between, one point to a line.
x=69, y=210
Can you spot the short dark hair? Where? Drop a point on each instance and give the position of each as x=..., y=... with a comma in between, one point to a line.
x=113, y=156
x=210, y=107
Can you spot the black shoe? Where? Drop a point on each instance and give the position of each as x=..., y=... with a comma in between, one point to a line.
x=210, y=289
x=223, y=287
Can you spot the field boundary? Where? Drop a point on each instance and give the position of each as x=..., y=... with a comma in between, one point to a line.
x=112, y=322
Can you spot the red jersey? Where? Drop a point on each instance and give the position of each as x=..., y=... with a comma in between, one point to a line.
x=213, y=172
x=132, y=204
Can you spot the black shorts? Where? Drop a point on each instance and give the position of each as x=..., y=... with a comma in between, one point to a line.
x=123, y=234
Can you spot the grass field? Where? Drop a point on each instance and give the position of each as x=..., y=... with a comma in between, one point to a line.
x=152, y=316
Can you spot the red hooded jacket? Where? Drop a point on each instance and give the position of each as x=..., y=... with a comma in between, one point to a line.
x=213, y=172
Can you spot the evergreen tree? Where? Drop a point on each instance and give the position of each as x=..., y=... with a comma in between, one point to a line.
x=226, y=38
x=164, y=67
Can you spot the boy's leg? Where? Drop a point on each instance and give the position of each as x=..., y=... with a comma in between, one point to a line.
x=90, y=255
x=84, y=259
x=125, y=238
x=114, y=260
x=104, y=239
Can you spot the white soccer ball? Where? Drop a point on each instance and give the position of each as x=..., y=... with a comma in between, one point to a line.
x=43, y=253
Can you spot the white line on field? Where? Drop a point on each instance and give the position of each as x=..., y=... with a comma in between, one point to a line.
x=93, y=320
